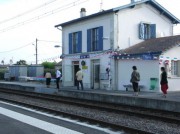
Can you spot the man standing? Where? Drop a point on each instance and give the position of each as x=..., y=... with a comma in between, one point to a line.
x=58, y=76
x=79, y=77
x=135, y=78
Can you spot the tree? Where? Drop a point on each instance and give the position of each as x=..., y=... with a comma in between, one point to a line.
x=21, y=62
x=49, y=65
x=2, y=62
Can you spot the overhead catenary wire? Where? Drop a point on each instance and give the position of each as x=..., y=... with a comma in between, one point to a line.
x=64, y=7
x=56, y=10
x=31, y=43
x=17, y=48
x=49, y=41
x=27, y=12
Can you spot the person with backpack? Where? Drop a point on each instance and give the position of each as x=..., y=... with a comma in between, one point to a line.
x=135, y=78
x=58, y=76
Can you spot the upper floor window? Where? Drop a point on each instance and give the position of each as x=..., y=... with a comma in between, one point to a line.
x=147, y=31
x=175, y=68
x=95, y=39
x=75, y=42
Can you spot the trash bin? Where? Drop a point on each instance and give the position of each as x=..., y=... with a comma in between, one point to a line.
x=153, y=83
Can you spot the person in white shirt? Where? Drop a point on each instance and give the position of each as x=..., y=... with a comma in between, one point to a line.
x=58, y=76
x=79, y=77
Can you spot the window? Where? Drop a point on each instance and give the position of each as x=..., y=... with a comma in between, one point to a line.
x=175, y=71
x=95, y=39
x=147, y=31
x=75, y=42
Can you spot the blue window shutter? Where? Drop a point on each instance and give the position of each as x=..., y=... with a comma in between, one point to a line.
x=100, y=40
x=89, y=40
x=70, y=43
x=153, y=30
x=141, y=31
x=79, y=41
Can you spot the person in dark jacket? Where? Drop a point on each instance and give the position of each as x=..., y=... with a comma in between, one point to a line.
x=135, y=78
x=164, y=82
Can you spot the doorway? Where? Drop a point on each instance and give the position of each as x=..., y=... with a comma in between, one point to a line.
x=75, y=69
x=95, y=74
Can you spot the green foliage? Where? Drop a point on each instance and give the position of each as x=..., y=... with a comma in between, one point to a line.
x=52, y=71
x=49, y=65
x=21, y=62
x=2, y=71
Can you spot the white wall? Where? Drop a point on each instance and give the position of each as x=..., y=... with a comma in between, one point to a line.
x=105, y=20
x=104, y=60
x=147, y=69
x=129, y=20
x=173, y=52
x=173, y=82
x=67, y=72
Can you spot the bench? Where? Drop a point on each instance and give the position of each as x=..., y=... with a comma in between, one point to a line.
x=37, y=79
x=41, y=80
x=130, y=86
x=24, y=78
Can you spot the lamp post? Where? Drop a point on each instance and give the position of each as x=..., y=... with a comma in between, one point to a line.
x=36, y=48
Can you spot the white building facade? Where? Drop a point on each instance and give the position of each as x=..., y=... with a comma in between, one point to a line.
x=91, y=41
x=149, y=56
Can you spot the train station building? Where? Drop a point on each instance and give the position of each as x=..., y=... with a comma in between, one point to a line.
x=107, y=44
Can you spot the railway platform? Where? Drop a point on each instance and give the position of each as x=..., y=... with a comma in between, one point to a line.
x=152, y=100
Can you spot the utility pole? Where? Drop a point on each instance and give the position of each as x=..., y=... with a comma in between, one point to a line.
x=101, y=6
x=36, y=52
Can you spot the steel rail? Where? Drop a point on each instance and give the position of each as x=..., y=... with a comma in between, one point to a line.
x=79, y=117
x=99, y=107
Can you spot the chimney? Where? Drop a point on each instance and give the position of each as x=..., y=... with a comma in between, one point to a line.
x=83, y=12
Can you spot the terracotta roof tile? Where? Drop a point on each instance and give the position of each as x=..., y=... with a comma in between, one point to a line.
x=154, y=45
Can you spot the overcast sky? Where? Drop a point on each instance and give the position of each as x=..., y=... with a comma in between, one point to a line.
x=22, y=21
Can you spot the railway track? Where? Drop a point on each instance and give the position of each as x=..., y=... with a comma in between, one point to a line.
x=114, y=108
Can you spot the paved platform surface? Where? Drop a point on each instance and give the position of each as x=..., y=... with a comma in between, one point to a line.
x=19, y=120
x=145, y=99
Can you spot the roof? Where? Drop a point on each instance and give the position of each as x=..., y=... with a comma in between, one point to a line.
x=157, y=45
x=156, y=5
x=86, y=17
x=153, y=3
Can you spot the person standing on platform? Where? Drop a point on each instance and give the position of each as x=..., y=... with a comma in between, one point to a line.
x=58, y=76
x=164, y=82
x=48, y=79
x=79, y=77
x=135, y=78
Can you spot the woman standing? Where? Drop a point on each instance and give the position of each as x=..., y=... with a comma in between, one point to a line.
x=164, y=82
x=48, y=79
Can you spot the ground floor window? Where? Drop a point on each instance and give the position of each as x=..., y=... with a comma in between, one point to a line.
x=175, y=68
